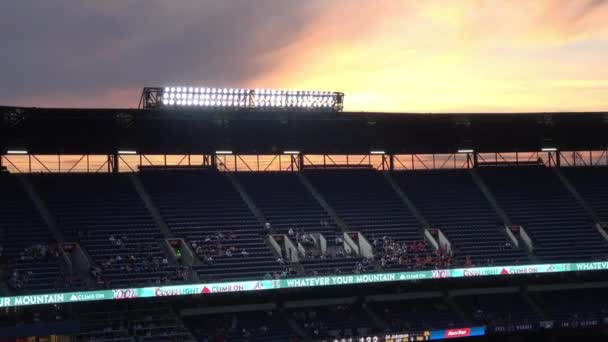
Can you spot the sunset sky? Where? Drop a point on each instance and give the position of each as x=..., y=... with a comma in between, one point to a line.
x=385, y=55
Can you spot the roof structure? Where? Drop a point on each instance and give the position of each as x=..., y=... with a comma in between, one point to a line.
x=59, y=130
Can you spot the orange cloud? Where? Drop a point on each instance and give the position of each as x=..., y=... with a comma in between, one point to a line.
x=451, y=55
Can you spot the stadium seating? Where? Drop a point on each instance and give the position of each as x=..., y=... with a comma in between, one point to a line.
x=21, y=226
x=417, y=314
x=573, y=305
x=243, y=326
x=452, y=202
x=498, y=308
x=367, y=203
x=286, y=204
x=330, y=265
x=130, y=322
x=199, y=204
x=535, y=198
x=334, y=321
x=592, y=185
x=91, y=208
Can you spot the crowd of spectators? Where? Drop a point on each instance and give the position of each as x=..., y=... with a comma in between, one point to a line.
x=143, y=260
x=19, y=278
x=287, y=271
x=41, y=251
x=217, y=245
x=412, y=256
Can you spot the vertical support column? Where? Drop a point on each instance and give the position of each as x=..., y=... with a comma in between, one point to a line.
x=475, y=159
x=391, y=162
x=385, y=162
x=301, y=161
x=294, y=162
x=213, y=161
x=113, y=163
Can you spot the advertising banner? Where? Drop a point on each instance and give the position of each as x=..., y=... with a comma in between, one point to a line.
x=292, y=283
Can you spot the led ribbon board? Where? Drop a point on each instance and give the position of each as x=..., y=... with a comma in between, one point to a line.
x=292, y=283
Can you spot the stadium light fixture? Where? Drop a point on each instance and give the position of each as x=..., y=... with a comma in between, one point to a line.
x=223, y=152
x=267, y=99
x=291, y=152
x=549, y=149
x=469, y=150
x=16, y=152
x=377, y=152
x=127, y=152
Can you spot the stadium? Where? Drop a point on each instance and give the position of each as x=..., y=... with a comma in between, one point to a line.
x=259, y=220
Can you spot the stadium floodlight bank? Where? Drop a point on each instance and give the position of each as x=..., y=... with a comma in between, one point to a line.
x=239, y=98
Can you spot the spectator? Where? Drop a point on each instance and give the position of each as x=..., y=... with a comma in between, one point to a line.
x=268, y=226
x=338, y=240
x=244, y=253
x=291, y=233
x=112, y=239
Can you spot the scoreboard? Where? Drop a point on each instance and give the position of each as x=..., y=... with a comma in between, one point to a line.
x=405, y=337
x=426, y=335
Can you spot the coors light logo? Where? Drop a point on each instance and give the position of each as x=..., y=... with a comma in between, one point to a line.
x=160, y=292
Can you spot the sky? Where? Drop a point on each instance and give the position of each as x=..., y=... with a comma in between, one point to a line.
x=385, y=55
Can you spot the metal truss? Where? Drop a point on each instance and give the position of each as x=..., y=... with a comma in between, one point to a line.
x=114, y=163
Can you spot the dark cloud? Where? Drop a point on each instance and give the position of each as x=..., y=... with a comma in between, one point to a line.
x=80, y=48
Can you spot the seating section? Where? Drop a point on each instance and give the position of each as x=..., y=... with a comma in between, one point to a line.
x=417, y=314
x=243, y=326
x=535, y=198
x=333, y=321
x=452, y=202
x=288, y=204
x=592, y=184
x=200, y=204
x=21, y=228
x=367, y=203
x=573, y=305
x=91, y=208
x=128, y=322
x=498, y=308
x=203, y=207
